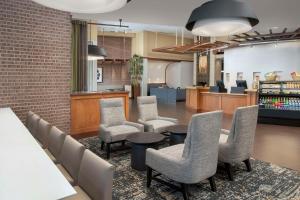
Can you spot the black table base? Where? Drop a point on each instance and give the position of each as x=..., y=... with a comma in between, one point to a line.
x=138, y=155
x=177, y=139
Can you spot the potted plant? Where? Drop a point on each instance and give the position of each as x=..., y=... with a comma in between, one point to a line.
x=136, y=73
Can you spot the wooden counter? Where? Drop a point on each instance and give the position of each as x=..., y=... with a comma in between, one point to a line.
x=192, y=96
x=85, y=110
x=209, y=101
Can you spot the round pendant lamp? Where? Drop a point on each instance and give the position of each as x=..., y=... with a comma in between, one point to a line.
x=96, y=53
x=222, y=18
x=84, y=6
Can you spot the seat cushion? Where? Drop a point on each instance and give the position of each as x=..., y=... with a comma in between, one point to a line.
x=118, y=133
x=160, y=125
x=81, y=195
x=66, y=174
x=174, y=151
x=49, y=154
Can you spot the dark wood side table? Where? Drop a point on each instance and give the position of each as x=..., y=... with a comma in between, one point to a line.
x=177, y=134
x=140, y=142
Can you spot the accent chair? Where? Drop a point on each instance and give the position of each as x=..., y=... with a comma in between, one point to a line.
x=236, y=144
x=193, y=161
x=148, y=115
x=114, y=127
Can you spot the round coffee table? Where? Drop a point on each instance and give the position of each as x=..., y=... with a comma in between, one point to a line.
x=177, y=134
x=140, y=142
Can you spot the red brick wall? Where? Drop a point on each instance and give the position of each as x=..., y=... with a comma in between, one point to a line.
x=115, y=73
x=35, y=61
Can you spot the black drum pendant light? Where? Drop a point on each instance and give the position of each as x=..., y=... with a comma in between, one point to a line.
x=95, y=52
x=222, y=18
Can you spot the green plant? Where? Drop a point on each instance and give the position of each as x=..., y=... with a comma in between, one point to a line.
x=136, y=69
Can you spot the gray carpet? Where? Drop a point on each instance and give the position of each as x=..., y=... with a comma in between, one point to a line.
x=266, y=181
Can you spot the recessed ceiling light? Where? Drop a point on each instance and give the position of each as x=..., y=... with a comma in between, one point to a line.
x=84, y=6
x=222, y=18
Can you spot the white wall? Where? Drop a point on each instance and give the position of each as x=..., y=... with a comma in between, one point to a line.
x=283, y=57
x=156, y=71
x=180, y=74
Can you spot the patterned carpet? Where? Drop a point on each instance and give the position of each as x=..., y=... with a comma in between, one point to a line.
x=266, y=181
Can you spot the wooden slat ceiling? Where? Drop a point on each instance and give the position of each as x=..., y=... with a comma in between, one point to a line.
x=235, y=41
x=271, y=36
x=197, y=47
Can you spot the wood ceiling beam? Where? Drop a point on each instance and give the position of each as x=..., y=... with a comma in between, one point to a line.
x=297, y=32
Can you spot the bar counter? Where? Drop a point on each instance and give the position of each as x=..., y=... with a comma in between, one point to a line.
x=85, y=109
x=210, y=101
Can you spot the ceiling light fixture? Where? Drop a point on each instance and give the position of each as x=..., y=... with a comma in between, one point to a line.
x=222, y=18
x=95, y=52
x=84, y=6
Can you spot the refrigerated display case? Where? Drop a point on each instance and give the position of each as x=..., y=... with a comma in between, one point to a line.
x=279, y=102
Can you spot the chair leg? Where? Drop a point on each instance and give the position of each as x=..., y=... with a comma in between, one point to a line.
x=228, y=168
x=248, y=165
x=149, y=176
x=185, y=191
x=102, y=145
x=212, y=184
x=108, y=151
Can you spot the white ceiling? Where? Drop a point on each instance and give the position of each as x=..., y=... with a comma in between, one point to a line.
x=175, y=13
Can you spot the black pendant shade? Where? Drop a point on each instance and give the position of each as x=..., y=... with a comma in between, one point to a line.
x=222, y=9
x=95, y=51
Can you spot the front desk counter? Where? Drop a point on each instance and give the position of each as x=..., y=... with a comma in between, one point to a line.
x=210, y=101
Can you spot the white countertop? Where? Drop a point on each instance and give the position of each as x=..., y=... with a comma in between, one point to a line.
x=26, y=172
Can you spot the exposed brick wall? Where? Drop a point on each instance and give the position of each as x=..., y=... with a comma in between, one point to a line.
x=35, y=61
x=115, y=73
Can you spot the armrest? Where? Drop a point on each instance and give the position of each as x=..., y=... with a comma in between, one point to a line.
x=104, y=133
x=136, y=125
x=148, y=127
x=168, y=119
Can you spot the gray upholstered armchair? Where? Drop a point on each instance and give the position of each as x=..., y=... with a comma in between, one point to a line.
x=148, y=115
x=193, y=161
x=236, y=145
x=114, y=127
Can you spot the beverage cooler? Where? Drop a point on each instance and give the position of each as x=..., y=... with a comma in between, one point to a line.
x=279, y=102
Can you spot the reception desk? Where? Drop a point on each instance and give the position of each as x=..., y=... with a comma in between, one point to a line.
x=85, y=110
x=209, y=101
x=192, y=96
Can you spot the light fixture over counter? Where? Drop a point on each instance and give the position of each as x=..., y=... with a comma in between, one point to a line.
x=96, y=53
x=84, y=6
x=222, y=18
